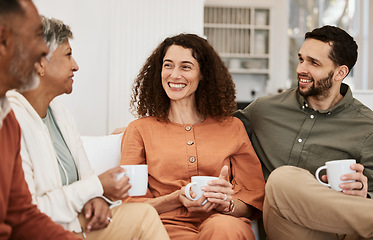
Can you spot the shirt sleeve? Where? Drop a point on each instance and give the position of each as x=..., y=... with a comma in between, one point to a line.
x=367, y=161
x=25, y=218
x=245, y=116
x=132, y=153
x=247, y=176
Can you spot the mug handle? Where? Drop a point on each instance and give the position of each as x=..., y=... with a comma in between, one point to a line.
x=120, y=175
x=318, y=173
x=187, y=190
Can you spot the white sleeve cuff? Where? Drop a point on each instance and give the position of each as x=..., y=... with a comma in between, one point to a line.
x=112, y=204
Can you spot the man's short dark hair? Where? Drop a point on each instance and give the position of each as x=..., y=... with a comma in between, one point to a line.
x=344, y=47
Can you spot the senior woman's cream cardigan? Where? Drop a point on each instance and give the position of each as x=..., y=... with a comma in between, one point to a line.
x=39, y=161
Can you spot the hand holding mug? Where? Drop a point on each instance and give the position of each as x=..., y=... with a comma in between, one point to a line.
x=359, y=183
x=345, y=176
x=198, y=205
x=114, y=189
x=138, y=178
x=194, y=191
x=220, y=191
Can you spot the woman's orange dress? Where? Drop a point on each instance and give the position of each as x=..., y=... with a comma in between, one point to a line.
x=174, y=153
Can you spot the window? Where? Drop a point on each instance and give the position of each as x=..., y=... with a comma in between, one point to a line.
x=350, y=15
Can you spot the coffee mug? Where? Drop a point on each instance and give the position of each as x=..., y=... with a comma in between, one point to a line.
x=197, y=182
x=335, y=169
x=138, y=178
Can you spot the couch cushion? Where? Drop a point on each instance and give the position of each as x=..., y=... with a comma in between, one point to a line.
x=103, y=151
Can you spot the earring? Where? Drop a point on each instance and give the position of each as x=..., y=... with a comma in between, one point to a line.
x=41, y=74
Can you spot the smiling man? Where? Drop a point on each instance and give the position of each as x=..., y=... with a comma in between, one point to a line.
x=303, y=128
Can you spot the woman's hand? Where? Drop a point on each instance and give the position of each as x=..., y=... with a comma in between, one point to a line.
x=115, y=189
x=98, y=213
x=195, y=205
x=119, y=130
x=219, y=192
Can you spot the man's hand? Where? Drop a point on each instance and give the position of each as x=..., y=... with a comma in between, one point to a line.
x=113, y=189
x=99, y=212
x=357, y=188
x=119, y=130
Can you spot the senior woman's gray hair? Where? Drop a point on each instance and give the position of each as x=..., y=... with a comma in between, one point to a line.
x=55, y=32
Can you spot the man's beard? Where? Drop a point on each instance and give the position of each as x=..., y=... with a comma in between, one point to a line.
x=23, y=70
x=322, y=88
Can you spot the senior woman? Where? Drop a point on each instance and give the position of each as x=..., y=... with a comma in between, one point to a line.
x=58, y=173
x=185, y=96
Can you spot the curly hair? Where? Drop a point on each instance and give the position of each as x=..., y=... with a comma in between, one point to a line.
x=215, y=95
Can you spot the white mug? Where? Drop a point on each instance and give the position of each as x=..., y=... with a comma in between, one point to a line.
x=335, y=169
x=197, y=182
x=138, y=175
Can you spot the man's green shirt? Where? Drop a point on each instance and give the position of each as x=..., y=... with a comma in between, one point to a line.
x=284, y=130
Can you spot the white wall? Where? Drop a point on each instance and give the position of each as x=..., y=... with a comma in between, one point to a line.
x=112, y=40
x=370, y=46
x=364, y=96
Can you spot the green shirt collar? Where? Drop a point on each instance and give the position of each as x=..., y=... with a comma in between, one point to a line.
x=346, y=100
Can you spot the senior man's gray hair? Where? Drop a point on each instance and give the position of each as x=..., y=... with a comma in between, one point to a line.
x=55, y=32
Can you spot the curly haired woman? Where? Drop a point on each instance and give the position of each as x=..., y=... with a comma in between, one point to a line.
x=184, y=97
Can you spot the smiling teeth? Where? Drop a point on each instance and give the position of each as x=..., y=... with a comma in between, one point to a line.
x=305, y=80
x=179, y=85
